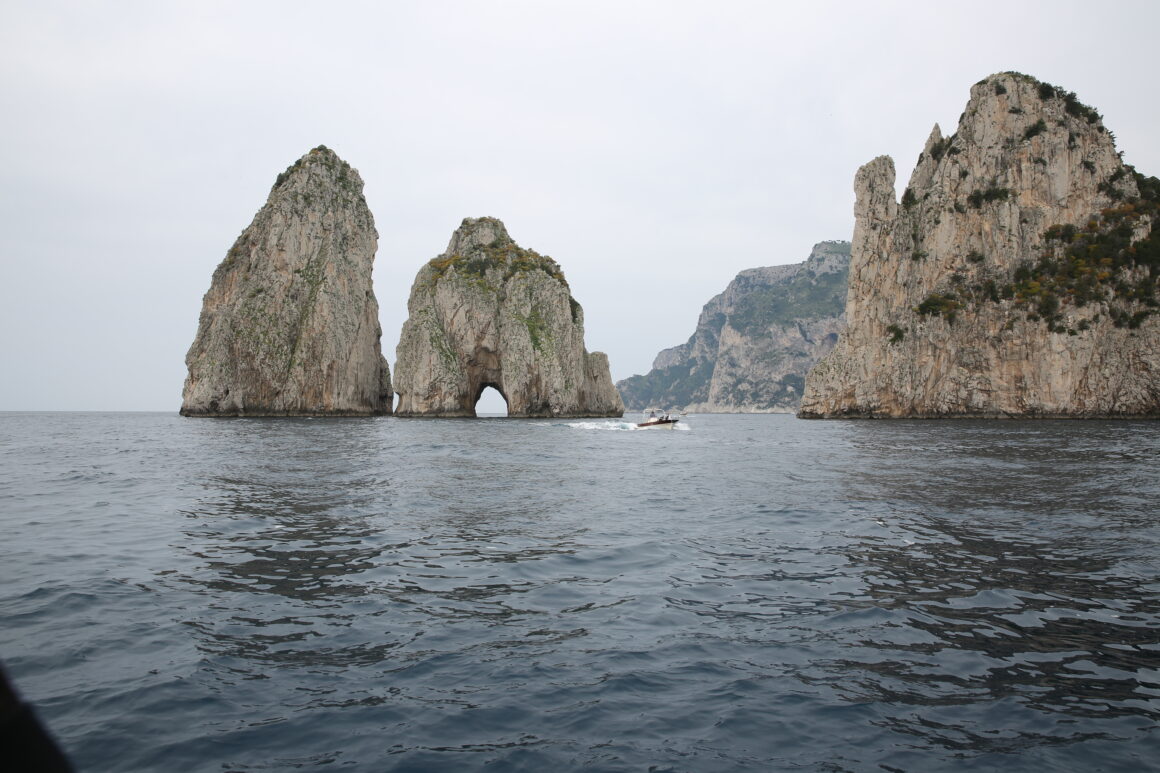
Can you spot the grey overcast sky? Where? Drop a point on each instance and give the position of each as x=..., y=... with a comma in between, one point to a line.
x=654, y=149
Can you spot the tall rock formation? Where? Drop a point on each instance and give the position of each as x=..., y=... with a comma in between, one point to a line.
x=1017, y=277
x=489, y=313
x=754, y=342
x=290, y=325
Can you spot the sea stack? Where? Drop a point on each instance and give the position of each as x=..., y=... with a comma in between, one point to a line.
x=1017, y=277
x=290, y=325
x=488, y=312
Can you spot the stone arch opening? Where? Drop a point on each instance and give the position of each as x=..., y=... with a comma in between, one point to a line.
x=491, y=402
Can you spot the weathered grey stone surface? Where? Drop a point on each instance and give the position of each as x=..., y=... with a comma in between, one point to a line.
x=754, y=342
x=489, y=313
x=961, y=302
x=290, y=325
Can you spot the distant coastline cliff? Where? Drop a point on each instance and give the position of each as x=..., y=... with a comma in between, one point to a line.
x=489, y=313
x=290, y=325
x=1017, y=277
x=754, y=342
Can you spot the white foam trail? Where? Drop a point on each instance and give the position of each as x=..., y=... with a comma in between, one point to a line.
x=616, y=426
x=619, y=426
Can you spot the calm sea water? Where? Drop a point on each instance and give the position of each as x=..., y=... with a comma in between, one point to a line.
x=754, y=593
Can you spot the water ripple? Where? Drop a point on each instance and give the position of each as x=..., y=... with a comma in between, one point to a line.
x=755, y=594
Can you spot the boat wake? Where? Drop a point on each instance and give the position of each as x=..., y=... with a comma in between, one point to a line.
x=615, y=426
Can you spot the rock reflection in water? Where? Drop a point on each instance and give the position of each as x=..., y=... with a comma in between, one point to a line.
x=1005, y=582
x=274, y=540
x=369, y=572
x=281, y=550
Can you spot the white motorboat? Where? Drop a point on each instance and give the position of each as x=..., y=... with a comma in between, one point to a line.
x=663, y=420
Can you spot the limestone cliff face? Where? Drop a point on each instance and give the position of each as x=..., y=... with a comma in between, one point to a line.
x=290, y=325
x=489, y=313
x=1016, y=277
x=754, y=342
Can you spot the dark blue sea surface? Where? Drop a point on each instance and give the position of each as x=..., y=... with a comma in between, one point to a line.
x=753, y=593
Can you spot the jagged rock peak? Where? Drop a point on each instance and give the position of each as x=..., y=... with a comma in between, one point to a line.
x=324, y=163
x=1017, y=276
x=480, y=244
x=478, y=233
x=828, y=257
x=290, y=324
x=488, y=312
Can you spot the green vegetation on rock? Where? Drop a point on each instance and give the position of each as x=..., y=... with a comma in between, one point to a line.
x=1071, y=104
x=537, y=327
x=994, y=193
x=943, y=147
x=675, y=386
x=1096, y=263
x=1034, y=129
x=503, y=256
x=939, y=305
x=1099, y=263
x=804, y=296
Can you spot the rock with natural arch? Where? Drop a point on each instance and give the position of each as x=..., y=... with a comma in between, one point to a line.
x=489, y=313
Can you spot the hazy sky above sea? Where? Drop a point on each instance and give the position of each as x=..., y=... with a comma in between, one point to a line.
x=654, y=149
